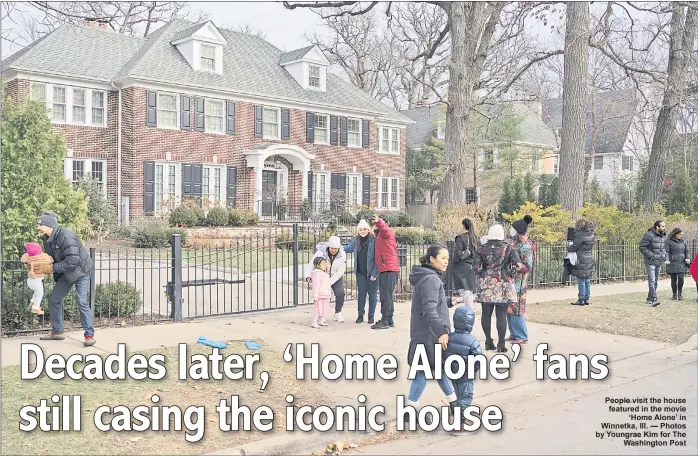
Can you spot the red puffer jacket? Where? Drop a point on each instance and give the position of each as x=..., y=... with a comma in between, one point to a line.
x=386, y=248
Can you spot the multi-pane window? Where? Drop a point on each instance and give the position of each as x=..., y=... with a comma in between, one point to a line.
x=627, y=163
x=598, y=162
x=354, y=132
x=208, y=57
x=321, y=189
x=489, y=159
x=314, y=76
x=172, y=182
x=97, y=173
x=212, y=184
x=388, y=193
x=395, y=143
x=77, y=168
x=385, y=139
x=393, y=193
x=59, y=100
x=98, y=108
x=354, y=189
x=167, y=110
x=471, y=195
x=215, y=120
x=322, y=129
x=389, y=140
x=79, y=105
x=166, y=176
x=78, y=172
x=271, y=124
x=38, y=92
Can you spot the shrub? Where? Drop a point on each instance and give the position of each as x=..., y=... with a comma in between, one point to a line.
x=117, y=299
x=306, y=241
x=332, y=224
x=413, y=236
x=101, y=216
x=397, y=219
x=217, y=216
x=449, y=217
x=306, y=209
x=239, y=217
x=155, y=234
x=549, y=223
x=187, y=215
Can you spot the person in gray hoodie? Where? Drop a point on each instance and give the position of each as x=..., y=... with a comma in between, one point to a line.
x=429, y=321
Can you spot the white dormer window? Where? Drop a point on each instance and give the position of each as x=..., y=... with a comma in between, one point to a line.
x=208, y=57
x=202, y=47
x=308, y=66
x=314, y=76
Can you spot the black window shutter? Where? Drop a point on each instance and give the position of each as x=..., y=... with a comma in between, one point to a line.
x=343, y=133
x=258, y=119
x=186, y=181
x=285, y=123
x=366, y=190
x=149, y=190
x=151, y=108
x=199, y=115
x=366, y=133
x=230, y=120
x=185, y=112
x=333, y=130
x=232, y=184
x=310, y=127
x=310, y=186
x=197, y=181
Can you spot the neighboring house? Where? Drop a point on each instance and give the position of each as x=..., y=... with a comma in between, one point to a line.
x=194, y=111
x=535, y=151
x=608, y=137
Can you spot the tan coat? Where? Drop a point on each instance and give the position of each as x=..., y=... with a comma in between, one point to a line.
x=40, y=266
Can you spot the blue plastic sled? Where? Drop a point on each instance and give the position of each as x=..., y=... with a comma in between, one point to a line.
x=251, y=345
x=211, y=343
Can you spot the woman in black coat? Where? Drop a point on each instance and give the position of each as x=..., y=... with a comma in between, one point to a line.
x=464, y=279
x=679, y=259
x=583, y=245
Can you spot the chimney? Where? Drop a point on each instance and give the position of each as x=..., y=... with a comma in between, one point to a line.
x=425, y=101
x=90, y=23
x=102, y=25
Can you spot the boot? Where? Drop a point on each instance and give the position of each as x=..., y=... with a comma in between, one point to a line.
x=360, y=319
x=489, y=345
x=586, y=302
x=338, y=317
x=502, y=349
x=390, y=322
x=322, y=321
x=371, y=320
x=673, y=297
x=579, y=302
x=680, y=296
x=314, y=323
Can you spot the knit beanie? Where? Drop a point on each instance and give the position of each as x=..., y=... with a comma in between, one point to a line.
x=495, y=233
x=335, y=243
x=48, y=219
x=521, y=226
x=32, y=248
x=363, y=224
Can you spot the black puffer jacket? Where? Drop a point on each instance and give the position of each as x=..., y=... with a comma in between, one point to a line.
x=582, y=245
x=653, y=248
x=71, y=260
x=678, y=254
x=461, y=342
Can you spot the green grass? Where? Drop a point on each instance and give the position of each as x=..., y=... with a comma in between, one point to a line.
x=247, y=262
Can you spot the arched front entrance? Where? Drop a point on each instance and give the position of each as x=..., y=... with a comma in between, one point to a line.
x=270, y=163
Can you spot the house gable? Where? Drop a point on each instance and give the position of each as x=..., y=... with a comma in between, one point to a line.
x=308, y=66
x=202, y=47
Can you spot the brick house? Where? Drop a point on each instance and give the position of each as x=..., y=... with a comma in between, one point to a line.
x=194, y=111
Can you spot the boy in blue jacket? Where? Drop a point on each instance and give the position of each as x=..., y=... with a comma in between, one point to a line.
x=462, y=343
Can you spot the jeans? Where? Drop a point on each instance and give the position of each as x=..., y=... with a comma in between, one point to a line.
x=517, y=327
x=486, y=321
x=338, y=290
x=419, y=384
x=367, y=287
x=464, y=391
x=386, y=283
x=60, y=291
x=676, y=283
x=652, y=281
x=584, y=286
x=37, y=286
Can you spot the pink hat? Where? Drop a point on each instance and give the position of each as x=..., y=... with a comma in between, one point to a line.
x=33, y=249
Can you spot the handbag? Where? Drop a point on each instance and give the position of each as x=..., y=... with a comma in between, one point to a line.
x=465, y=254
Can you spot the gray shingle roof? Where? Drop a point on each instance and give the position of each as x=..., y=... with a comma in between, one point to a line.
x=187, y=31
x=614, y=115
x=295, y=55
x=250, y=65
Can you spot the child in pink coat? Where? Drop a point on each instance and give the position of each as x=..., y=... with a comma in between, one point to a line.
x=322, y=291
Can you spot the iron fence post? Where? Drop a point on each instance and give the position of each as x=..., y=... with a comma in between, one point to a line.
x=622, y=258
x=449, y=271
x=598, y=255
x=92, y=279
x=177, y=277
x=295, y=265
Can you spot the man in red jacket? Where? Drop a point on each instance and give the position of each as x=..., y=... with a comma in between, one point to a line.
x=694, y=271
x=388, y=270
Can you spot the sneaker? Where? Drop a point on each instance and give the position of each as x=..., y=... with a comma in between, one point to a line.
x=89, y=341
x=371, y=320
x=579, y=302
x=360, y=319
x=53, y=336
x=381, y=324
x=586, y=302
x=314, y=323
x=655, y=302
x=390, y=322
x=37, y=311
x=323, y=322
x=338, y=317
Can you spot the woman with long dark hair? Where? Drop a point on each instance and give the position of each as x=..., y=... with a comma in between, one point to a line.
x=679, y=259
x=466, y=246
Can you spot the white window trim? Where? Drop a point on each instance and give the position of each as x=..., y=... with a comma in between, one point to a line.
x=596, y=159
x=319, y=76
x=31, y=91
x=158, y=108
x=165, y=185
x=360, y=180
x=383, y=205
x=86, y=169
x=328, y=190
x=83, y=105
x=441, y=132
x=221, y=200
x=358, y=146
x=223, y=116
x=390, y=150
x=278, y=129
x=201, y=57
x=105, y=97
x=69, y=99
x=327, y=128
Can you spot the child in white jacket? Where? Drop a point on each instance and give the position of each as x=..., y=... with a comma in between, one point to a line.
x=333, y=252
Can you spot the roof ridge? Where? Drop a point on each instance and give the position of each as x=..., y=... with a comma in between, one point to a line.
x=27, y=50
x=146, y=47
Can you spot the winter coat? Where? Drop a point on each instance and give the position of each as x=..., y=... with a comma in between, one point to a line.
x=461, y=342
x=322, y=289
x=677, y=251
x=386, y=248
x=429, y=315
x=495, y=265
x=653, y=248
x=338, y=265
x=354, y=246
x=462, y=264
x=40, y=266
x=583, y=245
x=526, y=250
x=71, y=260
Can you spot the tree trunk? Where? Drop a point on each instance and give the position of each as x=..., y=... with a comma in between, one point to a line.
x=574, y=96
x=684, y=27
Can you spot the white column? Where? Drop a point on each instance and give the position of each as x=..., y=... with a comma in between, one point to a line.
x=304, y=179
x=258, y=168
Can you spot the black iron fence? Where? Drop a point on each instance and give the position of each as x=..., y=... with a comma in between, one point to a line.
x=254, y=272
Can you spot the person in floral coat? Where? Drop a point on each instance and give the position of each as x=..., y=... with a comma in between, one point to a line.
x=526, y=249
x=495, y=265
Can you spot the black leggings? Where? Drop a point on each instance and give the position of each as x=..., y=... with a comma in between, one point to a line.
x=676, y=283
x=501, y=322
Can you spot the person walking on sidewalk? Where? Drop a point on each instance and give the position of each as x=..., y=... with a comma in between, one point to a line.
x=679, y=259
x=363, y=247
x=464, y=280
x=333, y=252
x=72, y=266
x=653, y=248
x=583, y=245
x=495, y=264
x=429, y=321
x=526, y=249
x=388, y=270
